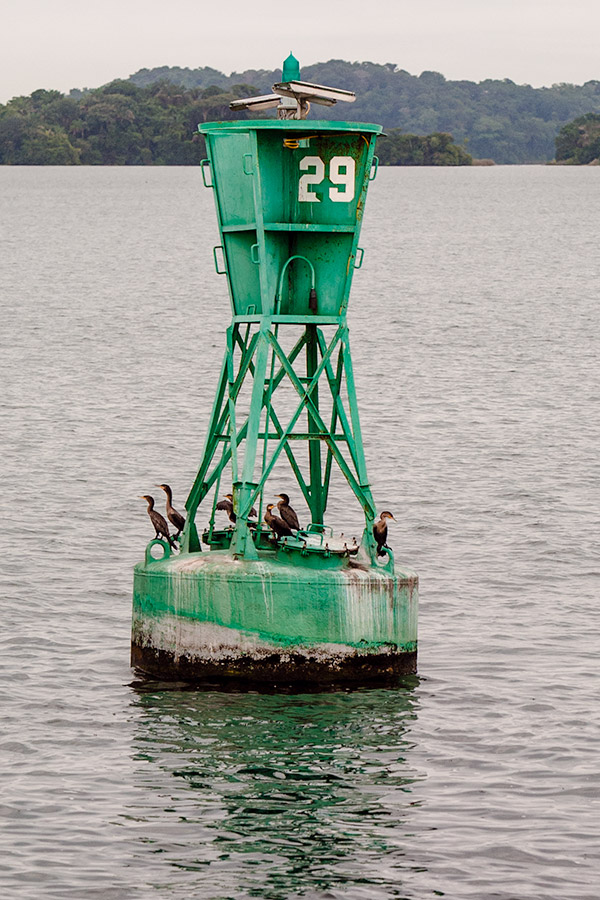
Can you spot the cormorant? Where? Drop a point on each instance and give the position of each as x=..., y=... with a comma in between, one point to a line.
x=174, y=517
x=227, y=506
x=287, y=513
x=380, y=531
x=277, y=525
x=160, y=525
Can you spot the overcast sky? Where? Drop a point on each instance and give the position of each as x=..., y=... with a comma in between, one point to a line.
x=61, y=44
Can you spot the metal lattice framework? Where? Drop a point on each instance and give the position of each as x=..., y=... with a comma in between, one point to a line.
x=262, y=359
x=289, y=198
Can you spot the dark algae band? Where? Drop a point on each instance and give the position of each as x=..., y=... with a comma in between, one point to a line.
x=278, y=668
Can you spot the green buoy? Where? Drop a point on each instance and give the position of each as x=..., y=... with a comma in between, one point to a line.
x=306, y=607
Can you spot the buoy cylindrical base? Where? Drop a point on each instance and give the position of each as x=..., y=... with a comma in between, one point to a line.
x=208, y=616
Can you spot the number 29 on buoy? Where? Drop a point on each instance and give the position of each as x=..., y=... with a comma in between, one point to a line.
x=341, y=175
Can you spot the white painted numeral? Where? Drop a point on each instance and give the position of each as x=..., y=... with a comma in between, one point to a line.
x=316, y=177
x=341, y=171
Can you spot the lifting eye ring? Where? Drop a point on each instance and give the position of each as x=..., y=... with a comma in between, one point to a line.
x=385, y=562
x=157, y=542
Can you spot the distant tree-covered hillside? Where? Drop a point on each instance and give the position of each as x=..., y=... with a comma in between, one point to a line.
x=119, y=124
x=579, y=141
x=501, y=120
x=124, y=124
x=152, y=117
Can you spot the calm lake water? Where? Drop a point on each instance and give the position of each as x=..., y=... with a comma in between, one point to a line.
x=475, y=323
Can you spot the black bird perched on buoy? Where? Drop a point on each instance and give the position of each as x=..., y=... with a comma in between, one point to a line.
x=380, y=531
x=277, y=525
x=287, y=513
x=160, y=525
x=226, y=505
x=174, y=517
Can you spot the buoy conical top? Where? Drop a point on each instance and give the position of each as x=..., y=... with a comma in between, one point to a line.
x=291, y=69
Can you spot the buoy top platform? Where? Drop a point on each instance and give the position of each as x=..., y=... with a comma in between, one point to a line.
x=302, y=188
x=289, y=196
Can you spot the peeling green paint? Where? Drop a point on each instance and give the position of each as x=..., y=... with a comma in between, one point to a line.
x=281, y=602
x=213, y=609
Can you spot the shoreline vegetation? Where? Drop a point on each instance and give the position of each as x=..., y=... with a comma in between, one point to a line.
x=578, y=143
x=152, y=118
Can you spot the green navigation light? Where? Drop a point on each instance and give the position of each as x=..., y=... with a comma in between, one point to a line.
x=291, y=69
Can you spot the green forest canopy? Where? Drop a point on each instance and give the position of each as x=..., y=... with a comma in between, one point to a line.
x=123, y=124
x=501, y=120
x=578, y=142
x=151, y=118
x=118, y=124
